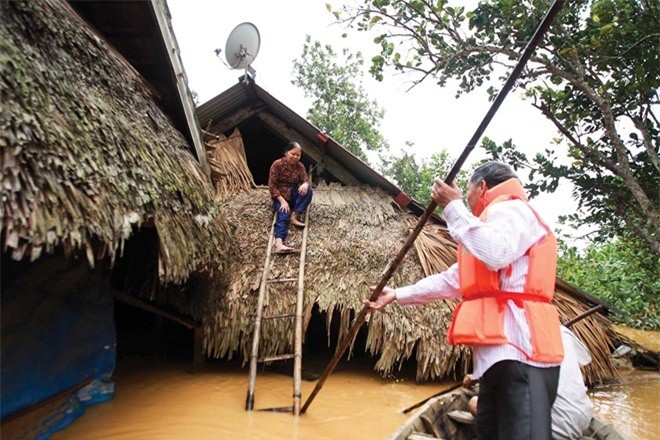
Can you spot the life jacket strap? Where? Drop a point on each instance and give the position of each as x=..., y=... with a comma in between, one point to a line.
x=516, y=297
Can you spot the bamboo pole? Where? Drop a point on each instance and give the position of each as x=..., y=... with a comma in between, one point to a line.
x=297, y=359
x=141, y=304
x=359, y=320
x=591, y=311
x=252, y=378
x=422, y=402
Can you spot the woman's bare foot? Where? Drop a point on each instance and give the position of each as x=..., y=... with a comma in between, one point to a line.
x=281, y=248
x=294, y=220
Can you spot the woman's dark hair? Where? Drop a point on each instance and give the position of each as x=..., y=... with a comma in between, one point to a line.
x=493, y=173
x=290, y=146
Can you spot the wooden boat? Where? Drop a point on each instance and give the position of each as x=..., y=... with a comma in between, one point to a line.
x=447, y=417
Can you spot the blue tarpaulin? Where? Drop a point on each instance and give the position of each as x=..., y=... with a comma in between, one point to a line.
x=58, y=332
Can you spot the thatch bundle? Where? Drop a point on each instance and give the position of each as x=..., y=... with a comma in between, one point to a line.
x=86, y=152
x=594, y=331
x=229, y=170
x=354, y=232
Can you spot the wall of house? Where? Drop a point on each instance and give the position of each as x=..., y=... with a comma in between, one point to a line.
x=57, y=328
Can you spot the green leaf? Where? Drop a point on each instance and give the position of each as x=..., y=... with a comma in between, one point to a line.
x=607, y=46
x=375, y=20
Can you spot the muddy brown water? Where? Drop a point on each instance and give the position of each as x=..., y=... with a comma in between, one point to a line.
x=165, y=399
x=174, y=401
x=632, y=405
x=647, y=339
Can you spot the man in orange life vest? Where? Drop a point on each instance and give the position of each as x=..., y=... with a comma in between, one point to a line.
x=505, y=273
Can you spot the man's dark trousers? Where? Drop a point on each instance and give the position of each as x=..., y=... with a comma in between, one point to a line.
x=515, y=400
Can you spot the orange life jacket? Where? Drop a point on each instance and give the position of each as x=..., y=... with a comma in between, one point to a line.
x=479, y=318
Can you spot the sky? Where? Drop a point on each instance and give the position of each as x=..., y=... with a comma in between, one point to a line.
x=428, y=115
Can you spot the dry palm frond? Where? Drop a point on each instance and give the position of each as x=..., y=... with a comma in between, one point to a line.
x=354, y=232
x=593, y=332
x=435, y=247
x=229, y=170
x=87, y=153
x=353, y=235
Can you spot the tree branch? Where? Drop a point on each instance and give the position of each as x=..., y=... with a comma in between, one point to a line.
x=631, y=47
x=644, y=231
x=594, y=155
x=624, y=171
x=646, y=140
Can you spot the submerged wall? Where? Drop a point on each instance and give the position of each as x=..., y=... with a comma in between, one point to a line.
x=57, y=331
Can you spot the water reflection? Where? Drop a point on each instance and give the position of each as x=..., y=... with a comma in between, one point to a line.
x=631, y=406
x=159, y=399
x=647, y=339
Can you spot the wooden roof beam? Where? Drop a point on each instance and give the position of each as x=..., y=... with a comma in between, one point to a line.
x=310, y=148
x=236, y=118
x=181, y=80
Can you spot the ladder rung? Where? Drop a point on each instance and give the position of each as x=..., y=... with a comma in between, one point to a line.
x=279, y=409
x=282, y=357
x=281, y=315
x=282, y=280
x=292, y=252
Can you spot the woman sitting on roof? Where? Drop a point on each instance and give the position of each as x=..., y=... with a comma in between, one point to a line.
x=291, y=193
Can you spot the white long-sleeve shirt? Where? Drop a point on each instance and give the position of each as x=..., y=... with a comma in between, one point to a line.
x=501, y=241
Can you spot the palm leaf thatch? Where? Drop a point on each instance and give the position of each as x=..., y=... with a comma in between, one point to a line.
x=594, y=331
x=229, y=171
x=87, y=155
x=353, y=234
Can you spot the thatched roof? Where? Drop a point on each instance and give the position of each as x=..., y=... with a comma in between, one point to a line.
x=595, y=331
x=229, y=173
x=354, y=233
x=87, y=154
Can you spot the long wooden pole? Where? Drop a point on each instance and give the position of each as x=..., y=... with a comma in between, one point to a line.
x=422, y=402
x=583, y=315
x=360, y=318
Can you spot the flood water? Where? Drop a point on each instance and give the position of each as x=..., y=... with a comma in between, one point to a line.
x=632, y=405
x=647, y=339
x=167, y=399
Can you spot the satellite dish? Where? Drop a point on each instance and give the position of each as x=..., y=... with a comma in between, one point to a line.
x=242, y=46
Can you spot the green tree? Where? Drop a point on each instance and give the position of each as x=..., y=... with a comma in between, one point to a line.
x=620, y=273
x=341, y=107
x=416, y=178
x=595, y=75
x=404, y=171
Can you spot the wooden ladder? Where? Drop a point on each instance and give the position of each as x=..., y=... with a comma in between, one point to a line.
x=263, y=291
